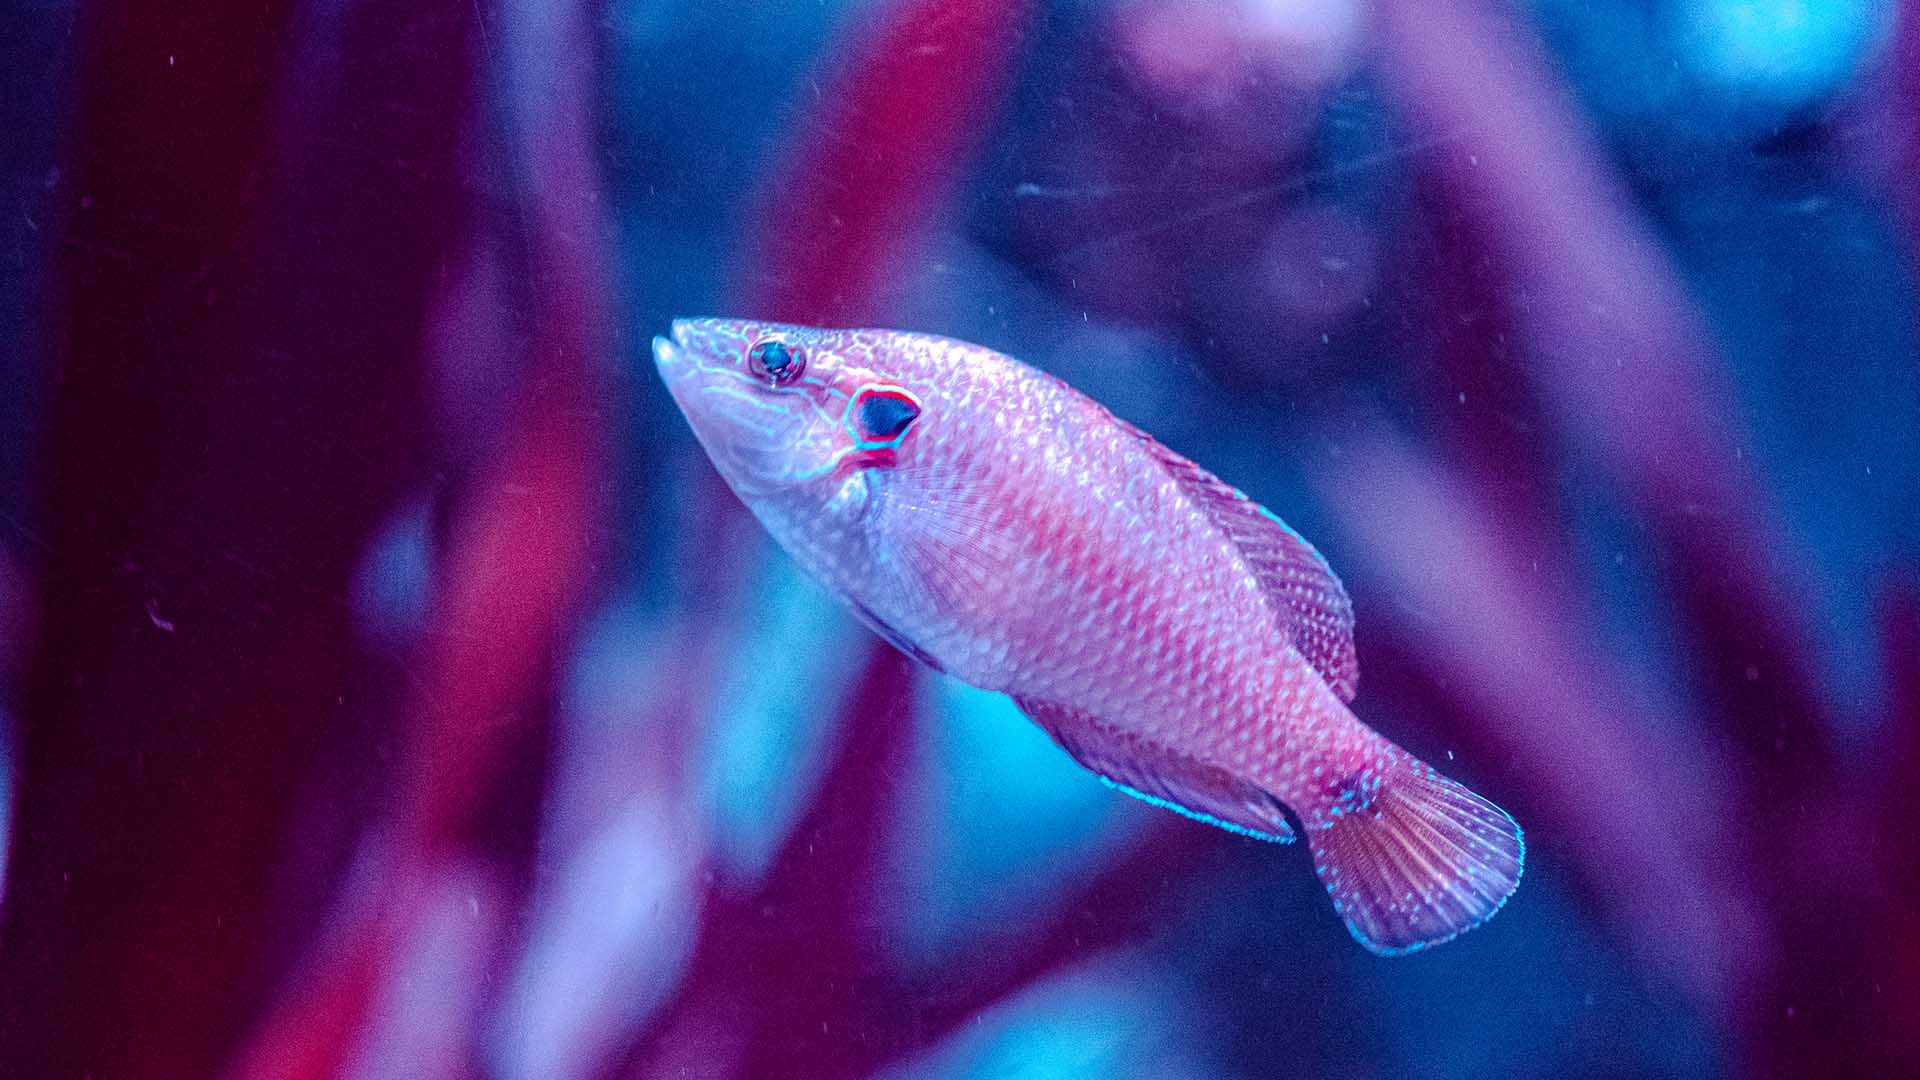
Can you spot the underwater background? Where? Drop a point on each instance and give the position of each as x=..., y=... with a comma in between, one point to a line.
x=389, y=687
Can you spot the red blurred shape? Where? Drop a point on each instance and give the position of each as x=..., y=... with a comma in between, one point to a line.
x=234, y=409
x=523, y=555
x=892, y=125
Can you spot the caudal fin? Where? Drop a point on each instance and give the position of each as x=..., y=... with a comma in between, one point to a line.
x=1424, y=862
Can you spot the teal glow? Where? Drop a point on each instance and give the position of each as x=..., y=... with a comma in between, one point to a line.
x=1788, y=52
x=1109, y=1020
x=769, y=731
x=996, y=820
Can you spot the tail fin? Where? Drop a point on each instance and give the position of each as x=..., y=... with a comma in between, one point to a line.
x=1424, y=862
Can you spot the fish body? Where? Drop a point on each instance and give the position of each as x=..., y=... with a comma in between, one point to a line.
x=1173, y=636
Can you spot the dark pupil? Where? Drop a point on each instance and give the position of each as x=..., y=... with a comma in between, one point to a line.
x=883, y=416
x=776, y=358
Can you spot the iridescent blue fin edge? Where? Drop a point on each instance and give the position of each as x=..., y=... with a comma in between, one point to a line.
x=1159, y=775
x=1286, y=837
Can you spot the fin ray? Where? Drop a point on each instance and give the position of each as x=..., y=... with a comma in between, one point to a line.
x=933, y=541
x=938, y=531
x=1425, y=862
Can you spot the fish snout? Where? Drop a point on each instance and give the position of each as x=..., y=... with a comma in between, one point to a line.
x=710, y=342
x=670, y=358
x=692, y=346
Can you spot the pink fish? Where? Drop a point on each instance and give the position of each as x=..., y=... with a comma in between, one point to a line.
x=1173, y=636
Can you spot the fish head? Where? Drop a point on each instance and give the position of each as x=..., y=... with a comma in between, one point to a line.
x=788, y=413
x=855, y=450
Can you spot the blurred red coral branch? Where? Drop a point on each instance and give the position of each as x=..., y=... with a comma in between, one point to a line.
x=895, y=121
x=524, y=551
x=789, y=971
x=235, y=408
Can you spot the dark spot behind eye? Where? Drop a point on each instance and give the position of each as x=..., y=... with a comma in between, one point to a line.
x=885, y=415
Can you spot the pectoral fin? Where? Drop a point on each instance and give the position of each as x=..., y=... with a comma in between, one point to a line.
x=934, y=535
x=1162, y=776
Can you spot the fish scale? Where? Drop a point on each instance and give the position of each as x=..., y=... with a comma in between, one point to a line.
x=1174, y=637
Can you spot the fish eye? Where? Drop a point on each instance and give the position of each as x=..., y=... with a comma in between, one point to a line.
x=776, y=361
x=881, y=415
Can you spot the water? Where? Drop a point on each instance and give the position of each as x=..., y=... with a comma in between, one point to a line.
x=392, y=689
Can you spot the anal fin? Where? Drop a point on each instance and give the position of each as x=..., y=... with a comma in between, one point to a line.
x=1159, y=775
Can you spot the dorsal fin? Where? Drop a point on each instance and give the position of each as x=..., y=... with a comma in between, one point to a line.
x=1309, y=599
x=1166, y=778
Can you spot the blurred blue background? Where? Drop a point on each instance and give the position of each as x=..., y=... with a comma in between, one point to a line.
x=360, y=584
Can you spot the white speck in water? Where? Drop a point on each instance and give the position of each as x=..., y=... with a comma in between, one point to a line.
x=1463, y=397
x=1449, y=755
x=153, y=616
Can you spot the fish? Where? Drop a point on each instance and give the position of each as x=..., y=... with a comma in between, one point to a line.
x=1174, y=637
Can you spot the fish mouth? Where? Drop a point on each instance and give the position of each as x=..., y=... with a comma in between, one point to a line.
x=667, y=357
x=673, y=356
